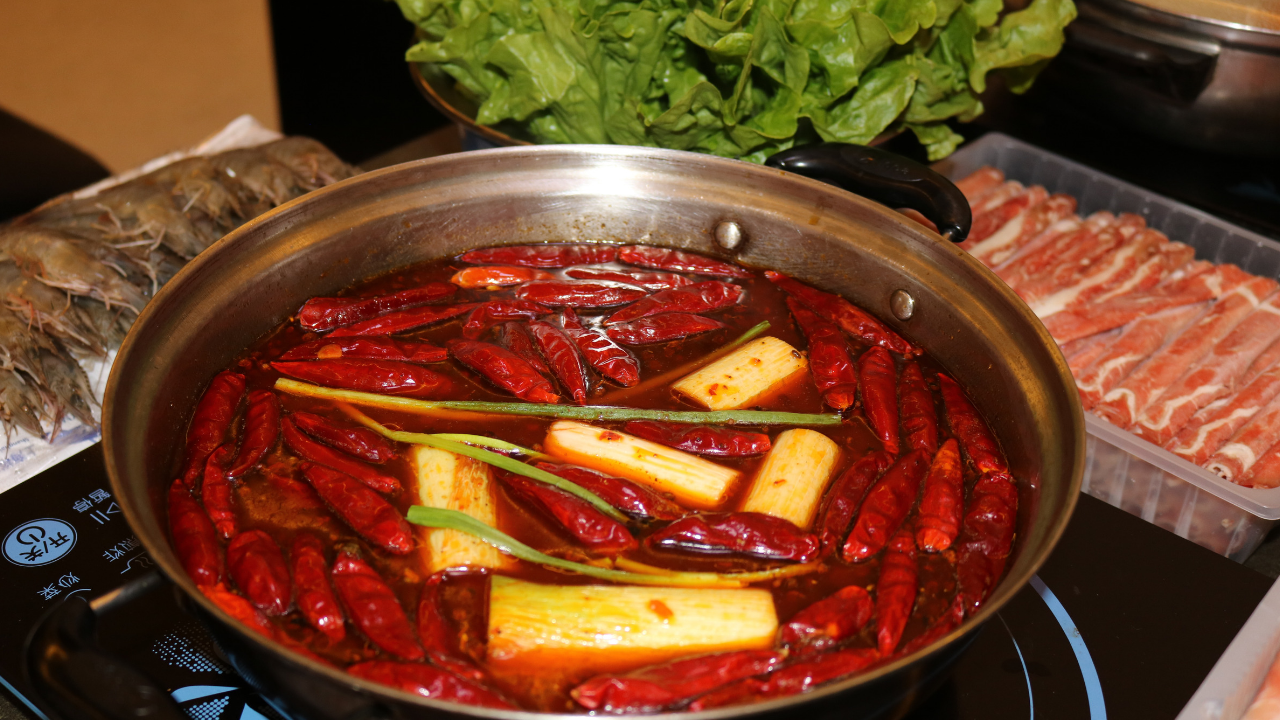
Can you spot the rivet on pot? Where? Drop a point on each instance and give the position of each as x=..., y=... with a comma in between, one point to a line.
x=902, y=304
x=729, y=235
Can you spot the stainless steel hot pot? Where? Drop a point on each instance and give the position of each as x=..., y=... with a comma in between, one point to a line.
x=259, y=275
x=1195, y=72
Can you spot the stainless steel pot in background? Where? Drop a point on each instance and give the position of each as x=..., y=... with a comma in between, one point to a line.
x=1201, y=73
x=260, y=274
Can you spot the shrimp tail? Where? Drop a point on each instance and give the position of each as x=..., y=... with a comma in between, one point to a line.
x=20, y=405
x=70, y=388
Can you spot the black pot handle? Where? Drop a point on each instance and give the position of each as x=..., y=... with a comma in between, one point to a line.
x=74, y=679
x=885, y=177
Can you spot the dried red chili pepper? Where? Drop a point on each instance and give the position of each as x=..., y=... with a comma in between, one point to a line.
x=661, y=328
x=877, y=378
x=428, y=682
x=986, y=538
x=586, y=524
x=377, y=376
x=369, y=348
x=606, y=356
x=578, y=294
x=701, y=439
x=651, y=281
x=373, y=607
x=504, y=368
x=916, y=410
x=239, y=608
x=256, y=564
x=261, y=430
x=361, y=442
x=375, y=519
x=828, y=621
x=968, y=426
x=209, y=423
x=402, y=321
x=301, y=649
x=437, y=634
x=326, y=313
x=737, y=533
x=678, y=261
x=852, y=319
x=194, y=538
x=698, y=298
x=563, y=356
x=846, y=495
x=896, y=589
x=496, y=275
x=792, y=679
x=635, y=500
x=313, y=451
x=938, y=522
x=293, y=493
x=542, y=256
x=487, y=314
x=315, y=596
x=515, y=338
x=659, y=687
x=942, y=625
x=830, y=363
x=215, y=492
x=886, y=506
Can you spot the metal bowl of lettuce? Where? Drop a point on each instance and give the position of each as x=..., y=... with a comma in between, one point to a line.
x=736, y=78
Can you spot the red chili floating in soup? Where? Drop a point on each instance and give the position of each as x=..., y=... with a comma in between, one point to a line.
x=573, y=478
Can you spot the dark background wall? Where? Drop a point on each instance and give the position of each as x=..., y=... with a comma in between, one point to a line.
x=342, y=77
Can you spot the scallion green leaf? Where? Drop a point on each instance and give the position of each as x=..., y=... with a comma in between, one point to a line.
x=491, y=458
x=570, y=412
x=462, y=522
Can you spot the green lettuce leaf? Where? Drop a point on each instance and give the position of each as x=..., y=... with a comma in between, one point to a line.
x=1023, y=38
x=739, y=78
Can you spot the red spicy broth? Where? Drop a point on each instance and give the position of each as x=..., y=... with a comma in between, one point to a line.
x=275, y=496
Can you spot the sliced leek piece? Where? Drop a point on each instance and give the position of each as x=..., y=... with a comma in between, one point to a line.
x=793, y=476
x=739, y=378
x=613, y=627
x=694, y=482
x=454, y=482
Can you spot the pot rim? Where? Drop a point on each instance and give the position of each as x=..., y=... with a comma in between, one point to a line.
x=1003, y=592
x=1164, y=14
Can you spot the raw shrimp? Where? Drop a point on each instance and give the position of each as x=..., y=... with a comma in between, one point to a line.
x=310, y=161
x=143, y=213
x=46, y=309
x=261, y=179
x=164, y=265
x=111, y=323
x=197, y=185
x=92, y=230
x=57, y=261
x=75, y=272
x=69, y=387
x=20, y=405
x=20, y=348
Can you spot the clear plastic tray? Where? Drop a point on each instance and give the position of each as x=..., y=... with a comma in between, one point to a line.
x=1235, y=679
x=1123, y=470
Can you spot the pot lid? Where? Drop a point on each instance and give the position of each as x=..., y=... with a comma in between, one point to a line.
x=1260, y=15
